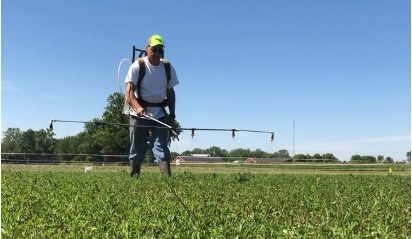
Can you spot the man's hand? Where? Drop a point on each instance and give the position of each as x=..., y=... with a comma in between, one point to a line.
x=140, y=111
x=171, y=121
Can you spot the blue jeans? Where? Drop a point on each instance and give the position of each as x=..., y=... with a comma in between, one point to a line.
x=140, y=140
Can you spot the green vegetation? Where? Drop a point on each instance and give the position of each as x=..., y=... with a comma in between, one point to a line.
x=207, y=201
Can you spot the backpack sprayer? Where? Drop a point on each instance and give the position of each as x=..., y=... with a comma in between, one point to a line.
x=127, y=110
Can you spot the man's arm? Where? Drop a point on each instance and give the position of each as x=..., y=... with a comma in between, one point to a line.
x=132, y=100
x=171, y=101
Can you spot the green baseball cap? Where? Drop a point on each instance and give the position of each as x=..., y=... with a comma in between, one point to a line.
x=156, y=40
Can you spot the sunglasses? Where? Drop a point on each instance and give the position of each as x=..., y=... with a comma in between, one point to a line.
x=156, y=50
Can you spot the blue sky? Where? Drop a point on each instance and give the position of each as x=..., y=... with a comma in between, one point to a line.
x=340, y=69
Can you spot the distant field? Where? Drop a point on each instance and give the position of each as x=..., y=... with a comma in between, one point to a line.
x=207, y=201
x=304, y=168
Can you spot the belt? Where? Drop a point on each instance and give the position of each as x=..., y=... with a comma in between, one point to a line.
x=146, y=104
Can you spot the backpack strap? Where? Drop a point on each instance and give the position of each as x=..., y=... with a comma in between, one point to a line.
x=142, y=72
x=166, y=63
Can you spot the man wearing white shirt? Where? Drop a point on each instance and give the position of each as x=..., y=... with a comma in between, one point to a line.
x=147, y=98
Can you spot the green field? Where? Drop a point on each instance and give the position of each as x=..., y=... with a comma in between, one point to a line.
x=207, y=201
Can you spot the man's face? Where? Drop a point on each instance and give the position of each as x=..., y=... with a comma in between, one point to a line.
x=155, y=53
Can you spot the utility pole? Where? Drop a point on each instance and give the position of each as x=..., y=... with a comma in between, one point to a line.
x=293, y=152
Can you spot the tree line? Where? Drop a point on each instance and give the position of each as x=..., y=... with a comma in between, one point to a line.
x=102, y=142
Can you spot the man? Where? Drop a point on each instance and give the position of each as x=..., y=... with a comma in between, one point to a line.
x=145, y=98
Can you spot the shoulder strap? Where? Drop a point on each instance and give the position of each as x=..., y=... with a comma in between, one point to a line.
x=142, y=72
x=166, y=63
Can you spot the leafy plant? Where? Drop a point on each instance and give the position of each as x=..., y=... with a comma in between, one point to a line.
x=107, y=204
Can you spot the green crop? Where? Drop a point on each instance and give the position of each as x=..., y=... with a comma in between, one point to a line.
x=107, y=204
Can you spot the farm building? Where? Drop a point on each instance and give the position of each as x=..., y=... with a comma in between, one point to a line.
x=200, y=155
x=267, y=160
x=199, y=159
x=178, y=158
x=249, y=160
x=207, y=159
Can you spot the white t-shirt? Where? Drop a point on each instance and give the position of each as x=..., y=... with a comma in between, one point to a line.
x=154, y=84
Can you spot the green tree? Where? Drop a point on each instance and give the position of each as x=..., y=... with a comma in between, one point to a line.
x=31, y=144
x=329, y=156
x=215, y=151
x=90, y=143
x=300, y=156
x=368, y=159
x=317, y=156
x=186, y=153
x=355, y=158
x=388, y=160
x=27, y=145
x=45, y=144
x=113, y=137
x=240, y=152
x=380, y=158
x=198, y=151
x=283, y=153
x=258, y=153
x=66, y=147
x=9, y=142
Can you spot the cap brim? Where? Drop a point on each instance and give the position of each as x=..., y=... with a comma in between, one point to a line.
x=157, y=45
